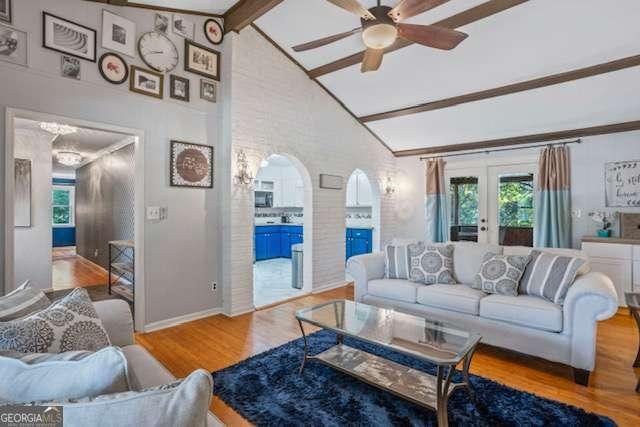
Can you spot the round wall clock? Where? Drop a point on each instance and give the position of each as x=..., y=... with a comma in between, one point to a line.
x=113, y=68
x=158, y=51
x=213, y=31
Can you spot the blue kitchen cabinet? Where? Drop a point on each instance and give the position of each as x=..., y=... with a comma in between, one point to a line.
x=273, y=245
x=285, y=244
x=260, y=246
x=359, y=241
x=275, y=241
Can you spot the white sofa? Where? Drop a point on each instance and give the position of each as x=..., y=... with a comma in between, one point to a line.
x=526, y=324
x=144, y=369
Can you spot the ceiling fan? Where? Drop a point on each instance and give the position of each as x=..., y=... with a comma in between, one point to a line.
x=381, y=26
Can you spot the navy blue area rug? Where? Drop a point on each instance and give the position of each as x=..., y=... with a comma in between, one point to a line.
x=267, y=390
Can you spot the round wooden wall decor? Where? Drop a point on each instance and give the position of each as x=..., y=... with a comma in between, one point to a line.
x=113, y=68
x=213, y=31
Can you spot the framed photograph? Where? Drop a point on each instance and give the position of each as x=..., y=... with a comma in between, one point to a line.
x=183, y=27
x=22, y=195
x=191, y=165
x=14, y=45
x=113, y=68
x=179, y=88
x=207, y=90
x=146, y=82
x=201, y=60
x=161, y=23
x=118, y=34
x=70, y=67
x=213, y=31
x=5, y=11
x=68, y=37
x=331, y=182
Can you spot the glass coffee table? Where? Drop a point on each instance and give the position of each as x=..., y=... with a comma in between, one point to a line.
x=442, y=344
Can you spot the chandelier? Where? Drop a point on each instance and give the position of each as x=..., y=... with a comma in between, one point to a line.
x=68, y=158
x=58, y=129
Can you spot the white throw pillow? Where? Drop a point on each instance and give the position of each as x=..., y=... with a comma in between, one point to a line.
x=21, y=302
x=59, y=376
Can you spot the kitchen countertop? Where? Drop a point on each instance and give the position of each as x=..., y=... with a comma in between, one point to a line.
x=299, y=224
x=619, y=240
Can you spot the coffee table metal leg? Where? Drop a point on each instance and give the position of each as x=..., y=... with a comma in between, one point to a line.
x=636, y=315
x=306, y=346
x=465, y=372
x=443, y=382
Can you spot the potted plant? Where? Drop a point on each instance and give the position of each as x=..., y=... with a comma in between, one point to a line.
x=606, y=219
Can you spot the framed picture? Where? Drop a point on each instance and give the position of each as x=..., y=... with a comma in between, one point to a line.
x=213, y=31
x=179, y=88
x=183, y=27
x=113, y=68
x=22, y=194
x=14, y=45
x=68, y=37
x=201, y=60
x=621, y=184
x=331, y=182
x=191, y=165
x=118, y=34
x=5, y=11
x=70, y=67
x=146, y=82
x=207, y=90
x=161, y=23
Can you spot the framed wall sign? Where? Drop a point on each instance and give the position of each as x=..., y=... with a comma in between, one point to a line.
x=146, y=82
x=622, y=184
x=191, y=165
x=331, y=182
x=67, y=37
x=201, y=60
x=118, y=34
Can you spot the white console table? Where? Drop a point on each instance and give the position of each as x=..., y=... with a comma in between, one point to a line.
x=617, y=258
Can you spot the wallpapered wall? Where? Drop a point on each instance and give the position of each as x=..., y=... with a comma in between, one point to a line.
x=105, y=203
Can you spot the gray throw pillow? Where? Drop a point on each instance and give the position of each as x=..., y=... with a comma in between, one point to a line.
x=397, y=262
x=431, y=264
x=67, y=325
x=181, y=404
x=21, y=302
x=57, y=376
x=549, y=276
x=500, y=274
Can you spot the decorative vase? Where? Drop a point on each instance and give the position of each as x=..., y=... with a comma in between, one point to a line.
x=604, y=233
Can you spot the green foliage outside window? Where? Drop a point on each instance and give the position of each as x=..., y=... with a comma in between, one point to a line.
x=61, y=207
x=467, y=195
x=516, y=204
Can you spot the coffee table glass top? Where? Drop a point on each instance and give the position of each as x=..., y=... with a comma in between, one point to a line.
x=633, y=299
x=421, y=337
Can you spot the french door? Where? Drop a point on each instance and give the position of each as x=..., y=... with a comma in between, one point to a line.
x=492, y=204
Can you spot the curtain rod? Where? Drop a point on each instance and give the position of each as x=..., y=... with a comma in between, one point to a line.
x=553, y=144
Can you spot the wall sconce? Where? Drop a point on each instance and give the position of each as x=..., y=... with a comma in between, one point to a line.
x=243, y=175
x=389, y=187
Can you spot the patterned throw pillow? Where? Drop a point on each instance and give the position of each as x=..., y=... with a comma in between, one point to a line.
x=549, y=276
x=69, y=324
x=397, y=262
x=21, y=302
x=500, y=274
x=431, y=264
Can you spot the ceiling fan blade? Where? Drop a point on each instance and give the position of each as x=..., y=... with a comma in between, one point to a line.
x=372, y=60
x=325, y=41
x=431, y=35
x=408, y=8
x=354, y=7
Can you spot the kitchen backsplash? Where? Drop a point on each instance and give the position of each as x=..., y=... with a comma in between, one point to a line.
x=352, y=212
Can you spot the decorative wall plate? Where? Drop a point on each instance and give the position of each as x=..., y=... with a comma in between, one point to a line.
x=113, y=68
x=213, y=31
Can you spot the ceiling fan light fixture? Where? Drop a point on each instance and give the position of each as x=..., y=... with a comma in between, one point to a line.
x=379, y=36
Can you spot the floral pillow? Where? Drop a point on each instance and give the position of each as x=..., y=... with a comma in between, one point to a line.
x=69, y=324
x=500, y=274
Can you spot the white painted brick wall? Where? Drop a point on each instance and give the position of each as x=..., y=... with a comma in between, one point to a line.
x=274, y=107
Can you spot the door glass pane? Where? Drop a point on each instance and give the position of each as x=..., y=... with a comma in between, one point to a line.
x=463, y=193
x=515, y=210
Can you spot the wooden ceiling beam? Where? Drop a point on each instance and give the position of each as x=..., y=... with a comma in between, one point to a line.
x=245, y=12
x=461, y=19
x=128, y=3
x=554, y=79
x=525, y=139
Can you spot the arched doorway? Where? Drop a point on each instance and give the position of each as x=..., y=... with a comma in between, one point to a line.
x=362, y=214
x=282, y=264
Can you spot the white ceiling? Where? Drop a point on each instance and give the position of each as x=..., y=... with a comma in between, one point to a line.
x=210, y=6
x=535, y=39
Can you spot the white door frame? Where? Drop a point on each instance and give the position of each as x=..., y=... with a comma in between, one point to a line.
x=9, y=233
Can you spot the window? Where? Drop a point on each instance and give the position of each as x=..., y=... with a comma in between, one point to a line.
x=62, y=206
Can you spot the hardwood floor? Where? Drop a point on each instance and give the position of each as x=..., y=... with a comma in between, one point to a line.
x=72, y=271
x=217, y=342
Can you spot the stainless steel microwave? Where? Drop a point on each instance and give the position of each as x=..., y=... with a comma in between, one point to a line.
x=264, y=199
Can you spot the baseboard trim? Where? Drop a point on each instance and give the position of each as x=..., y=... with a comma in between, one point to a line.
x=330, y=287
x=174, y=321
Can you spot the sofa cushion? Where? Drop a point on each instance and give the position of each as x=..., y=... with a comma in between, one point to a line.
x=549, y=276
x=431, y=263
x=500, y=274
x=21, y=302
x=467, y=257
x=525, y=310
x=397, y=289
x=144, y=370
x=460, y=298
x=575, y=253
x=396, y=262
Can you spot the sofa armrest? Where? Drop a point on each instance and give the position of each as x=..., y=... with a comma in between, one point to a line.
x=591, y=298
x=117, y=320
x=364, y=268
